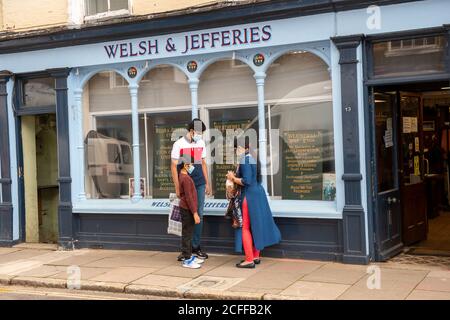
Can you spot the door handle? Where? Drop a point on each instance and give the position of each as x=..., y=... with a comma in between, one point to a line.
x=20, y=172
x=392, y=200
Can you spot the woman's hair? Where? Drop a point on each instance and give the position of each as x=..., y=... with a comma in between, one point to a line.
x=245, y=143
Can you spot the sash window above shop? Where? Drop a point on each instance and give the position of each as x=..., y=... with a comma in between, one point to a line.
x=100, y=8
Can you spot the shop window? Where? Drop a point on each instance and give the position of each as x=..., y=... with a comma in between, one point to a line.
x=408, y=57
x=164, y=87
x=108, y=137
x=38, y=92
x=244, y=118
x=227, y=90
x=99, y=8
x=161, y=89
x=108, y=92
x=156, y=133
x=299, y=105
x=229, y=82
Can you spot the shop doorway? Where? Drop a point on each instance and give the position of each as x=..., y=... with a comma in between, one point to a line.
x=411, y=168
x=38, y=166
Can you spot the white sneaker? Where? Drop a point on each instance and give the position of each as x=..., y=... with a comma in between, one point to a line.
x=191, y=263
x=198, y=260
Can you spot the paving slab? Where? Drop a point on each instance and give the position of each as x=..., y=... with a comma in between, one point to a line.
x=337, y=273
x=49, y=257
x=81, y=258
x=305, y=290
x=86, y=273
x=278, y=275
x=159, y=260
x=428, y=295
x=123, y=274
x=229, y=269
x=17, y=266
x=435, y=284
x=113, y=253
x=42, y=271
x=21, y=254
x=395, y=284
x=161, y=281
x=8, y=250
x=439, y=274
x=178, y=270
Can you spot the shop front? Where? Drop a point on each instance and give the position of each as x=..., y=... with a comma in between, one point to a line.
x=408, y=84
x=113, y=106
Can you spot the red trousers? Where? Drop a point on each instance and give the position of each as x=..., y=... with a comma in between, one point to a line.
x=247, y=239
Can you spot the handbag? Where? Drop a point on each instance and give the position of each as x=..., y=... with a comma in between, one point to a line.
x=175, y=225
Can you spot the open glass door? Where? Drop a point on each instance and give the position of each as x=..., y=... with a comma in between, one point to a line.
x=414, y=206
x=387, y=218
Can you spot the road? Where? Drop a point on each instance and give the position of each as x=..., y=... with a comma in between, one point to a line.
x=28, y=293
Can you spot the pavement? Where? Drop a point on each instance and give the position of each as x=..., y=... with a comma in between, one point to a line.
x=159, y=274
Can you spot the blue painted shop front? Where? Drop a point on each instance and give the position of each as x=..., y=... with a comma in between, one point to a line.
x=117, y=103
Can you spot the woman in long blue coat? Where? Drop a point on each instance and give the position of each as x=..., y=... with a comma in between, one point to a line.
x=258, y=226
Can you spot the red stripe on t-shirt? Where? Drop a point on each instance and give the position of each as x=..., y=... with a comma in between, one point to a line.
x=193, y=153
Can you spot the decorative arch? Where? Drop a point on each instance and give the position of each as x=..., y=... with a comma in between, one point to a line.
x=84, y=79
x=208, y=62
x=273, y=56
x=153, y=65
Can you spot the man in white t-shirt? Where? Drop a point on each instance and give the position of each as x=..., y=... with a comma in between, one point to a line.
x=192, y=147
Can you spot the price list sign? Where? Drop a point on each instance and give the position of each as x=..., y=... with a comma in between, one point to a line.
x=162, y=176
x=302, y=165
x=220, y=170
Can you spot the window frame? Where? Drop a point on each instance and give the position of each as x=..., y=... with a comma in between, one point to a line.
x=19, y=98
x=369, y=75
x=315, y=209
x=107, y=14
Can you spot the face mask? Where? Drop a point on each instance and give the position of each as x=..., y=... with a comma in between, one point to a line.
x=197, y=137
x=190, y=169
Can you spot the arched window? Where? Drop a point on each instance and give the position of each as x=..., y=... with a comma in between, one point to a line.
x=298, y=94
x=164, y=108
x=228, y=98
x=108, y=136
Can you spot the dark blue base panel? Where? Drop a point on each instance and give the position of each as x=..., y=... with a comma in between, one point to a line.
x=316, y=239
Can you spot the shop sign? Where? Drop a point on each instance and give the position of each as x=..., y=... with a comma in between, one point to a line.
x=190, y=43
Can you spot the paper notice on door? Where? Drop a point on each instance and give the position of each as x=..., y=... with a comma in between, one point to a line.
x=406, y=124
x=414, y=126
x=388, y=141
x=389, y=124
x=416, y=144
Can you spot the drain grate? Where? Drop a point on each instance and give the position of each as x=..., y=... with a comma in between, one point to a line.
x=206, y=282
